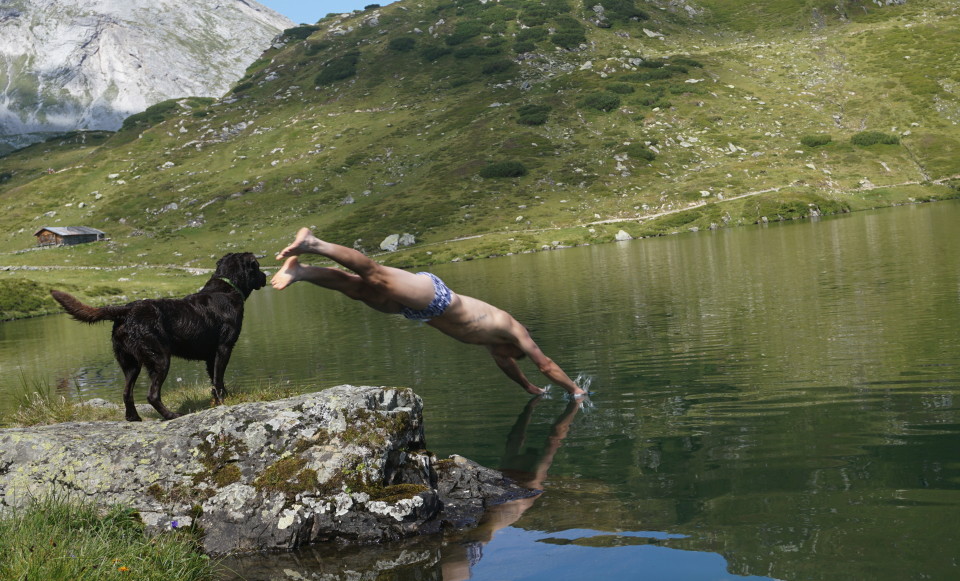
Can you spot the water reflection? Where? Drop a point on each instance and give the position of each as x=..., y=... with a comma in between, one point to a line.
x=527, y=467
x=519, y=554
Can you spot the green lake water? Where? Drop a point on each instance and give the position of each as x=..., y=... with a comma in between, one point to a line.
x=775, y=402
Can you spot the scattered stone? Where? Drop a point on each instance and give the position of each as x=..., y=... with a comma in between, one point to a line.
x=390, y=243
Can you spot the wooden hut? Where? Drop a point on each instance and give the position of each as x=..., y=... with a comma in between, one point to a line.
x=67, y=236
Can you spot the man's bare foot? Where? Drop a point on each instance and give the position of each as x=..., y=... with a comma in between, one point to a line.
x=305, y=242
x=288, y=274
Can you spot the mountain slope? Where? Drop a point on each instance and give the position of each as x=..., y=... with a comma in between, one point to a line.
x=77, y=64
x=484, y=129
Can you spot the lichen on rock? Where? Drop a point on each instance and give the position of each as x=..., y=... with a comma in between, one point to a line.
x=346, y=464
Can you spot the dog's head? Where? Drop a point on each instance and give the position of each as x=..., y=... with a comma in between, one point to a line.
x=243, y=270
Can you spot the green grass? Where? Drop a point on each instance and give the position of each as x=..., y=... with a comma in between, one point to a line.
x=38, y=404
x=61, y=539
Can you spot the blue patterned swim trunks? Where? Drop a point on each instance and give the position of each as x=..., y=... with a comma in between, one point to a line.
x=441, y=300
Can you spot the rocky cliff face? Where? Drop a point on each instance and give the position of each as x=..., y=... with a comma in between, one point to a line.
x=88, y=64
x=347, y=464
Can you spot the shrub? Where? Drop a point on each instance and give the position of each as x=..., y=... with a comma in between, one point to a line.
x=685, y=61
x=639, y=151
x=498, y=66
x=569, y=40
x=338, y=69
x=153, y=115
x=623, y=10
x=313, y=48
x=620, y=88
x=605, y=102
x=299, y=32
x=432, y=53
x=464, y=31
x=533, y=114
x=525, y=46
x=653, y=98
x=402, y=44
x=868, y=138
x=503, y=169
x=473, y=50
x=816, y=140
x=651, y=64
x=532, y=34
x=654, y=74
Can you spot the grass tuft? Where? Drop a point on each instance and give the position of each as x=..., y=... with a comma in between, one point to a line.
x=60, y=538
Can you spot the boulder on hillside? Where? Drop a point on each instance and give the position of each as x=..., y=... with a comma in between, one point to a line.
x=345, y=464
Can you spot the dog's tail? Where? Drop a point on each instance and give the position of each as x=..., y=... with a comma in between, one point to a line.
x=86, y=313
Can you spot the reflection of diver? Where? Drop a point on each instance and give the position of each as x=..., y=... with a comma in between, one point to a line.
x=529, y=469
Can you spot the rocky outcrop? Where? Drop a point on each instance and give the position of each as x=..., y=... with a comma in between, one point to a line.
x=347, y=464
x=88, y=64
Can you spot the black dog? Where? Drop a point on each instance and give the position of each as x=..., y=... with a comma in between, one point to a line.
x=202, y=327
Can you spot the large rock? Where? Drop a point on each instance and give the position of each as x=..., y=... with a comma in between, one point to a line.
x=345, y=464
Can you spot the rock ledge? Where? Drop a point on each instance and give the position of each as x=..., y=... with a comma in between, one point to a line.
x=347, y=464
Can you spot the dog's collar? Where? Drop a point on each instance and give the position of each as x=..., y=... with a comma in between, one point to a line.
x=230, y=282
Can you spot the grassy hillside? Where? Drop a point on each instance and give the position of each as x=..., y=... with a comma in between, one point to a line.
x=483, y=129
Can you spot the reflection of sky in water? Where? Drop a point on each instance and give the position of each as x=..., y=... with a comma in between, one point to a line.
x=520, y=555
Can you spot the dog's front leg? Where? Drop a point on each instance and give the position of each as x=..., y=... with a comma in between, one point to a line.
x=216, y=368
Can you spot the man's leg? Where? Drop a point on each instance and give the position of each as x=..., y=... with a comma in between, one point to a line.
x=292, y=271
x=349, y=284
x=409, y=289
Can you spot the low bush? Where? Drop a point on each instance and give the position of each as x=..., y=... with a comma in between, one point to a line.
x=402, y=44
x=338, y=69
x=569, y=40
x=816, y=140
x=620, y=88
x=524, y=46
x=498, y=66
x=313, y=48
x=532, y=34
x=473, y=50
x=464, y=31
x=639, y=151
x=685, y=61
x=432, y=53
x=623, y=10
x=153, y=115
x=654, y=74
x=299, y=32
x=533, y=114
x=503, y=169
x=605, y=102
x=868, y=138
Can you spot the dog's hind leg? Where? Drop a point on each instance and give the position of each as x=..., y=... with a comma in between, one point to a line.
x=158, y=369
x=131, y=370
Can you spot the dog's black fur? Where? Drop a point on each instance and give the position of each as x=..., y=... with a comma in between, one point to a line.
x=203, y=326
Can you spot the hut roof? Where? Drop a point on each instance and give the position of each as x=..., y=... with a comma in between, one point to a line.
x=69, y=230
